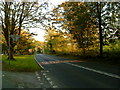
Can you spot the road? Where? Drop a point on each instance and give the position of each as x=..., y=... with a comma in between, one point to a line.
x=69, y=73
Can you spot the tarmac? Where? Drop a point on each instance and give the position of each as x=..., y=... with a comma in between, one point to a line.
x=24, y=80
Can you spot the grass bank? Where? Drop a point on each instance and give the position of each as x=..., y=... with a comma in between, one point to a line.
x=22, y=63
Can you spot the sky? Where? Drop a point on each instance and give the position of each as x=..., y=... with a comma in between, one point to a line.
x=40, y=32
x=40, y=36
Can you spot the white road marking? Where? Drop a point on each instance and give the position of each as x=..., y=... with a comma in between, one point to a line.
x=44, y=74
x=51, y=83
x=42, y=71
x=38, y=77
x=36, y=74
x=55, y=86
x=46, y=71
x=38, y=63
x=97, y=71
x=48, y=79
x=21, y=85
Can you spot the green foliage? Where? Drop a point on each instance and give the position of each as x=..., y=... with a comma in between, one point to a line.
x=25, y=42
x=79, y=22
x=39, y=46
x=57, y=41
x=23, y=63
x=82, y=20
x=110, y=21
x=17, y=15
x=112, y=50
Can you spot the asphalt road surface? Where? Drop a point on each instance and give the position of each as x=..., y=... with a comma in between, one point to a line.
x=69, y=73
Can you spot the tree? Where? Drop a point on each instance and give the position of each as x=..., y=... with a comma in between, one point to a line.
x=26, y=42
x=4, y=46
x=89, y=21
x=100, y=29
x=55, y=39
x=16, y=15
x=78, y=21
x=108, y=19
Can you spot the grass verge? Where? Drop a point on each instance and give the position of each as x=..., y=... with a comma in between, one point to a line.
x=22, y=63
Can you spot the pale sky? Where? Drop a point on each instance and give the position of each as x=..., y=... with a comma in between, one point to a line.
x=56, y=2
x=40, y=36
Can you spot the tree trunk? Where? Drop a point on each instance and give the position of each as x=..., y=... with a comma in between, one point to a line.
x=100, y=29
x=83, y=51
x=10, y=49
x=51, y=48
x=10, y=53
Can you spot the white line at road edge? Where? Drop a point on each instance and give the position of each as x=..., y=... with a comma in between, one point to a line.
x=39, y=64
x=97, y=71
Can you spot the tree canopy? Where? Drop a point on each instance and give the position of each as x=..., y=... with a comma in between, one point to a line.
x=17, y=15
x=90, y=23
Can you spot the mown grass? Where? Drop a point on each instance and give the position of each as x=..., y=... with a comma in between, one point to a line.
x=23, y=63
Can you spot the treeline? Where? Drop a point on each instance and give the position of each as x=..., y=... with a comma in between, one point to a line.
x=85, y=29
x=15, y=16
x=26, y=44
x=75, y=28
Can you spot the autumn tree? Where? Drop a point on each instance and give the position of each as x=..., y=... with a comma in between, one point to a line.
x=39, y=46
x=25, y=43
x=55, y=40
x=17, y=15
x=78, y=21
x=89, y=22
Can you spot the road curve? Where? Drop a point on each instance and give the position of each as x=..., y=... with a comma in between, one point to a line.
x=69, y=73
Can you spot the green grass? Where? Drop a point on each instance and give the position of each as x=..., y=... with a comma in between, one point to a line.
x=23, y=63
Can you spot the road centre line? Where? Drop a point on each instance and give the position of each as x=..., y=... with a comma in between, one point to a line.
x=97, y=71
